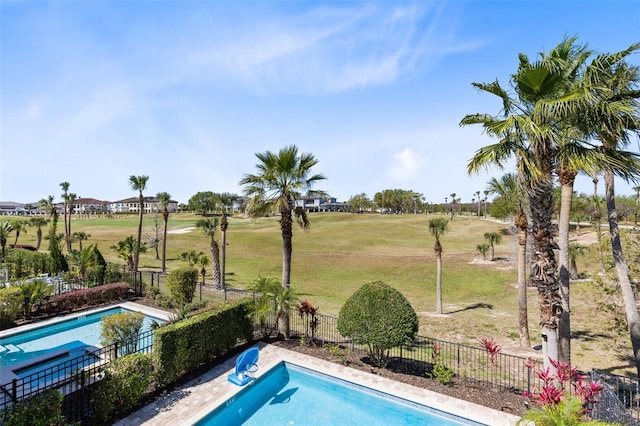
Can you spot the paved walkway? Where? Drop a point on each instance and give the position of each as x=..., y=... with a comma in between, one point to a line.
x=195, y=399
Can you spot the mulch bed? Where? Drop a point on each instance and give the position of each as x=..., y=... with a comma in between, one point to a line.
x=506, y=400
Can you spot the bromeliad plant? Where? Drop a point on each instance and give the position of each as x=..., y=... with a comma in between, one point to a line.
x=491, y=347
x=558, y=391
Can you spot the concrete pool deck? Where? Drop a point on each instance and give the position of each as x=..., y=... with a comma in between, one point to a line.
x=195, y=399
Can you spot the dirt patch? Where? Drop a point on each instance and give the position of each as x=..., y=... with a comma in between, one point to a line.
x=509, y=401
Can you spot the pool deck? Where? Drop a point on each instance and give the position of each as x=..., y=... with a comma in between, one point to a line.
x=195, y=399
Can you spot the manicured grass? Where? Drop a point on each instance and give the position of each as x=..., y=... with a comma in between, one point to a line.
x=342, y=251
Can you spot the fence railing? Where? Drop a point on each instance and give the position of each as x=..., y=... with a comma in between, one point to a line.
x=74, y=376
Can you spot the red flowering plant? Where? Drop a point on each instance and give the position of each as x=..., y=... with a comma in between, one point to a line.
x=308, y=313
x=491, y=347
x=564, y=383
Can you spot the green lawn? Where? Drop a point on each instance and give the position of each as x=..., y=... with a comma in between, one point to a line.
x=342, y=251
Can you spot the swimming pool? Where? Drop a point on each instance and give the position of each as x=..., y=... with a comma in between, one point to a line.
x=70, y=334
x=290, y=394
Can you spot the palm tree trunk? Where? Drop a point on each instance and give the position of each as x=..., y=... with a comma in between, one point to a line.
x=523, y=319
x=38, y=238
x=543, y=271
x=597, y=217
x=286, y=224
x=165, y=216
x=564, y=325
x=215, y=263
x=439, y=284
x=136, y=258
x=628, y=297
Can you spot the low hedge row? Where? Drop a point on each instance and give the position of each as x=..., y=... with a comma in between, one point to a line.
x=183, y=346
x=92, y=296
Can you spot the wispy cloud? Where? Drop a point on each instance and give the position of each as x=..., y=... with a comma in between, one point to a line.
x=327, y=49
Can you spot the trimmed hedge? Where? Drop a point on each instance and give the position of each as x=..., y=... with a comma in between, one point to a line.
x=99, y=295
x=183, y=346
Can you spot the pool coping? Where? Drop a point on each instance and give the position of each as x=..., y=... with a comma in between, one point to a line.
x=195, y=399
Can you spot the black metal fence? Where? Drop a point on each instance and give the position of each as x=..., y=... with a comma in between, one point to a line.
x=74, y=376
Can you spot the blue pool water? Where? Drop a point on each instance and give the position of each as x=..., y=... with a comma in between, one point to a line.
x=292, y=395
x=73, y=334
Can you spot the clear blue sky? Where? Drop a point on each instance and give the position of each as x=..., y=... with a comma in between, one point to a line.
x=187, y=92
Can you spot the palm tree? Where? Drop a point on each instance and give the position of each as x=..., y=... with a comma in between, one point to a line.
x=209, y=226
x=127, y=249
x=492, y=238
x=635, y=215
x=224, y=224
x=508, y=189
x=38, y=222
x=575, y=250
x=138, y=183
x=453, y=204
x=597, y=218
x=5, y=230
x=478, y=195
x=438, y=227
x=164, y=198
x=80, y=236
x=614, y=112
x=483, y=249
x=530, y=136
x=18, y=227
x=282, y=179
x=71, y=201
x=65, y=199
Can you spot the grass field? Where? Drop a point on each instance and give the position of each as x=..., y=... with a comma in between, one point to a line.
x=342, y=251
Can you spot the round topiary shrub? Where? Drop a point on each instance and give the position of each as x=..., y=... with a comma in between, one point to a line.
x=380, y=317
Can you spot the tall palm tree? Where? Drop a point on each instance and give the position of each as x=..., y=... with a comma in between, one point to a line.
x=478, y=195
x=530, y=136
x=138, y=183
x=224, y=225
x=508, y=188
x=71, y=201
x=438, y=227
x=614, y=112
x=51, y=210
x=209, y=226
x=597, y=218
x=282, y=179
x=65, y=203
x=492, y=238
x=38, y=222
x=164, y=198
x=453, y=204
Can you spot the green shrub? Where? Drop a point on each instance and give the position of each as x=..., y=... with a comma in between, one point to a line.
x=99, y=295
x=183, y=346
x=163, y=301
x=123, y=328
x=124, y=385
x=442, y=374
x=11, y=303
x=34, y=293
x=25, y=263
x=43, y=409
x=182, y=284
x=380, y=317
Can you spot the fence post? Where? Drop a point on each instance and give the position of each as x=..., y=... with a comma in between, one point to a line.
x=14, y=390
x=458, y=355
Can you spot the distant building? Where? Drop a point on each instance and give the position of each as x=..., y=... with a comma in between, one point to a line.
x=150, y=205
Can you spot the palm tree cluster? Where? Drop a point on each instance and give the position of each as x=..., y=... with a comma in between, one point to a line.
x=567, y=112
